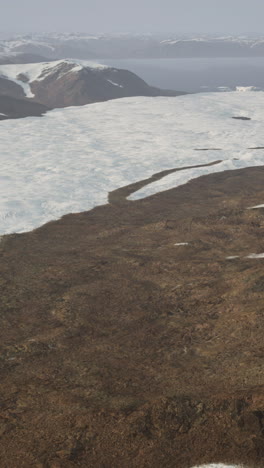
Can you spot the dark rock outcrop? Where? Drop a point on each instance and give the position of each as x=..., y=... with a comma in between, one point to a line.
x=241, y=118
x=13, y=108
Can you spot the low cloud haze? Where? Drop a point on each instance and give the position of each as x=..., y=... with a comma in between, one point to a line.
x=160, y=16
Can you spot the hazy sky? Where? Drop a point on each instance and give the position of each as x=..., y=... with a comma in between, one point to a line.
x=234, y=16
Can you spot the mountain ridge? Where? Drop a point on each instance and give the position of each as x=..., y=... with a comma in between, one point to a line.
x=92, y=46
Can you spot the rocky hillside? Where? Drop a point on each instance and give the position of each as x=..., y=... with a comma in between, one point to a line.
x=72, y=83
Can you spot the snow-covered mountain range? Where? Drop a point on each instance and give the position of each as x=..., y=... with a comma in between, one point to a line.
x=72, y=82
x=87, y=46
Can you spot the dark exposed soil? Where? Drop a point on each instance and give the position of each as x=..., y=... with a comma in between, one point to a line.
x=120, y=348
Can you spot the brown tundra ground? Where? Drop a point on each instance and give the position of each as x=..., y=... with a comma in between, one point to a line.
x=120, y=348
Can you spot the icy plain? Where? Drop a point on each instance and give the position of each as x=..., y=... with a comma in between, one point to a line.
x=68, y=160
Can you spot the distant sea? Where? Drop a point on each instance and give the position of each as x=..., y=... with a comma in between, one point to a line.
x=196, y=75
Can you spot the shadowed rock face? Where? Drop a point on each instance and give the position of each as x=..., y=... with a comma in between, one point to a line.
x=13, y=108
x=122, y=347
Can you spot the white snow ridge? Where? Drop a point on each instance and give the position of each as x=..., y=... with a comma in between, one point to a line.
x=68, y=160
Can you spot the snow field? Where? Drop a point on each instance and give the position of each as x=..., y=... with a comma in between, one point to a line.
x=68, y=160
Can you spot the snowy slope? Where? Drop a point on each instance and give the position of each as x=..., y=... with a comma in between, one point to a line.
x=68, y=160
x=39, y=71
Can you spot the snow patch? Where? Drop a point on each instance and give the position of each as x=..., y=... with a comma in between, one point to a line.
x=218, y=465
x=261, y=255
x=255, y=207
x=246, y=89
x=115, y=84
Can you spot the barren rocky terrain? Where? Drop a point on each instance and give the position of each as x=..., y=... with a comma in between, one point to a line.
x=132, y=335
